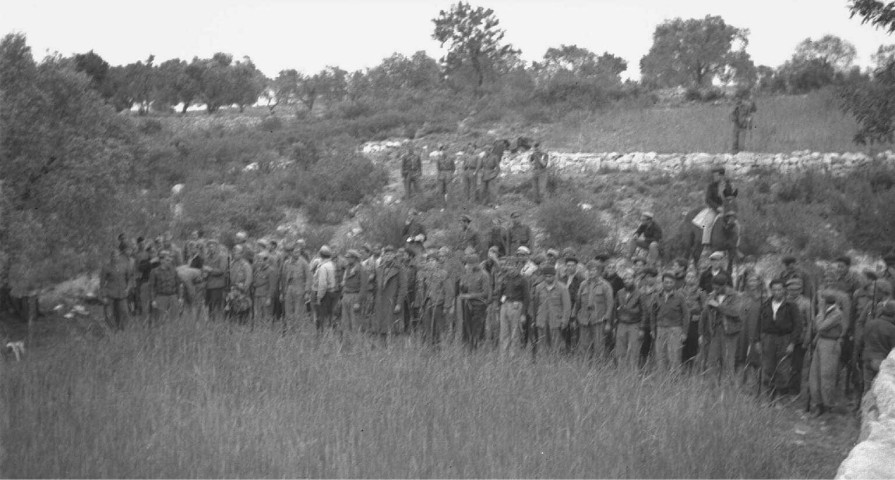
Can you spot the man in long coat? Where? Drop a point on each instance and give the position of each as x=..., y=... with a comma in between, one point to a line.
x=391, y=291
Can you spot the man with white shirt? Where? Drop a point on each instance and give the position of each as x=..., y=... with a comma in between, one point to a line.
x=324, y=293
x=716, y=267
x=779, y=328
x=523, y=255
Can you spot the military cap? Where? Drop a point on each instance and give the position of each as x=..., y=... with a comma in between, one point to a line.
x=548, y=270
x=300, y=242
x=639, y=260
x=164, y=253
x=241, y=236
x=794, y=283
x=553, y=252
x=647, y=214
x=212, y=241
x=465, y=218
x=515, y=215
x=720, y=279
x=325, y=251
x=263, y=255
x=601, y=256
x=665, y=274
x=718, y=169
x=717, y=255
x=788, y=260
x=571, y=258
x=523, y=250
x=593, y=265
x=651, y=271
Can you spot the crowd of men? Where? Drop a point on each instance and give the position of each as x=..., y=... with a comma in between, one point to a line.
x=500, y=291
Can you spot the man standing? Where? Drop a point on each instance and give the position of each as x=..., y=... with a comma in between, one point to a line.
x=791, y=271
x=669, y=319
x=515, y=298
x=354, y=291
x=539, y=161
x=594, y=310
x=628, y=319
x=216, y=272
x=499, y=237
x=115, y=281
x=239, y=300
x=475, y=292
x=648, y=237
x=471, y=165
x=720, y=327
x=469, y=237
x=164, y=288
x=490, y=172
x=391, y=291
x=716, y=268
x=779, y=330
x=436, y=291
x=296, y=280
x=794, y=289
x=741, y=117
x=262, y=281
x=411, y=171
x=879, y=340
x=550, y=308
x=519, y=234
x=829, y=328
x=414, y=233
x=324, y=292
x=445, y=165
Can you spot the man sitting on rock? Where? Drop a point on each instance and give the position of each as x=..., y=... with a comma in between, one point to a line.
x=647, y=236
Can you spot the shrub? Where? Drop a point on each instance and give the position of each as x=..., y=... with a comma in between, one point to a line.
x=271, y=124
x=566, y=224
x=383, y=224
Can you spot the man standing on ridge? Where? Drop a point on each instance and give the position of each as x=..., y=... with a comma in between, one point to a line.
x=539, y=161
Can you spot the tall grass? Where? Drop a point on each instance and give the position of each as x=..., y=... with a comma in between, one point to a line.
x=192, y=400
x=781, y=124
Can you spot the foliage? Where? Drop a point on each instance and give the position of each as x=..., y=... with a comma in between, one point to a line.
x=473, y=40
x=693, y=52
x=829, y=49
x=383, y=224
x=877, y=13
x=62, y=154
x=872, y=103
x=566, y=224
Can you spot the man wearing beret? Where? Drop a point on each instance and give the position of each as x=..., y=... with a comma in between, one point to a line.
x=550, y=308
x=648, y=236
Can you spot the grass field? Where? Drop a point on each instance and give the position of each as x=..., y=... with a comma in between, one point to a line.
x=193, y=400
x=781, y=124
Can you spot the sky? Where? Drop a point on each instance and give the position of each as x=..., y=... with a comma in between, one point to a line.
x=308, y=35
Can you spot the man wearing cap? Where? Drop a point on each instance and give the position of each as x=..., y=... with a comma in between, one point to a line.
x=717, y=191
x=879, y=292
x=539, y=160
x=324, y=289
x=469, y=237
x=216, y=272
x=435, y=292
x=473, y=298
x=829, y=328
x=779, y=329
x=115, y=280
x=471, y=165
x=414, y=233
x=647, y=236
x=528, y=267
x=670, y=316
x=239, y=300
x=445, y=165
x=594, y=308
x=519, y=233
x=296, y=281
x=354, y=291
x=795, y=295
x=411, y=171
x=627, y=321
x=569, y=276
x=716, y=268
x=720, y=327
x=550, y=308
x=164, y=288
x=879, y=340
x=515, y=297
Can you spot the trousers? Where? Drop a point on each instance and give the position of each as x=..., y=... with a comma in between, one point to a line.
x=627, y=344
x=510, y=326
x=824, y=372
x=668, y=347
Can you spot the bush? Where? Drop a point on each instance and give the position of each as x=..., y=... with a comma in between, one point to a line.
x=271, y=124
x=383, y=224
x=566, y=224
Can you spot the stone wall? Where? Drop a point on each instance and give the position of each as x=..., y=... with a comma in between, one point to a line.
x=836, y=163
x=874, y=455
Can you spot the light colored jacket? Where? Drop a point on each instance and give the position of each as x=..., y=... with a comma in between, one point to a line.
x=551, y=307
x=595, y=302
